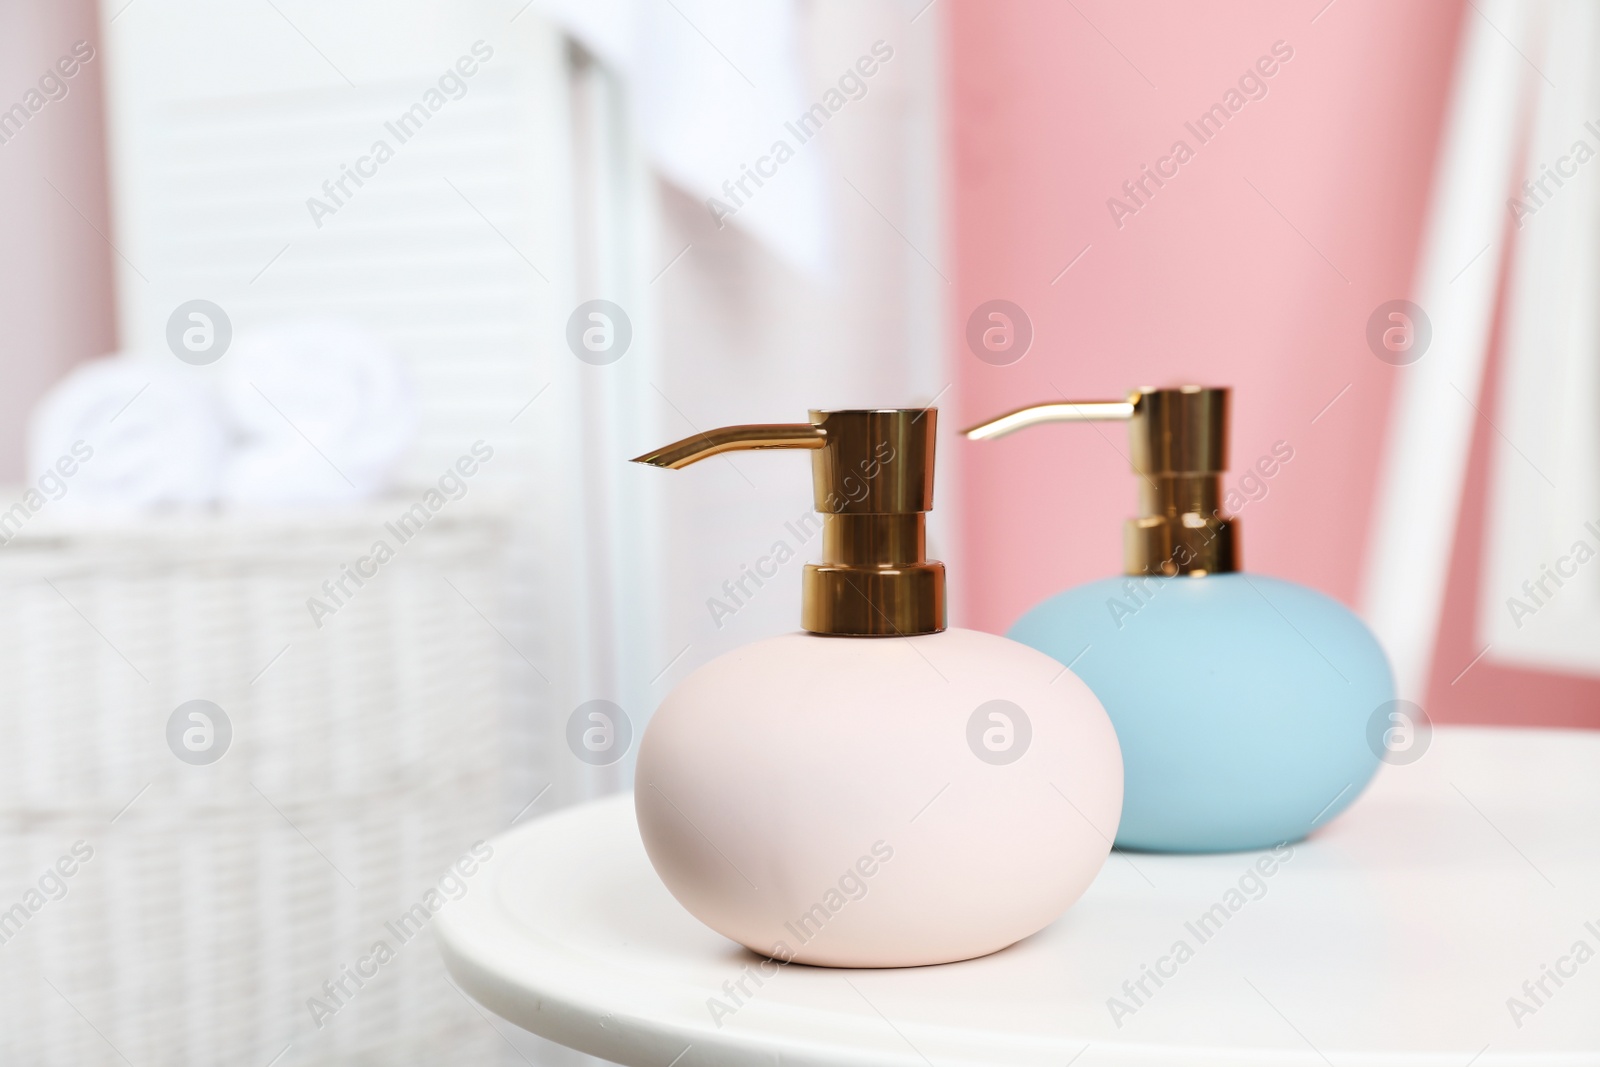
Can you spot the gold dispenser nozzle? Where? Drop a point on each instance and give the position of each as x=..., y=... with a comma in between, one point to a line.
x=872, y=480
x=1179, y=440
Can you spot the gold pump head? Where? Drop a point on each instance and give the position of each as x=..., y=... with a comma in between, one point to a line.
x=872, y=480
x=1179, y=439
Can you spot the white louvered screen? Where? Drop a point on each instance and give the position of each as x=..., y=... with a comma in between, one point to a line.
x=460, y=250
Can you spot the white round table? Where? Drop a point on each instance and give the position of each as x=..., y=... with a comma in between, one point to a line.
x=1437, y=922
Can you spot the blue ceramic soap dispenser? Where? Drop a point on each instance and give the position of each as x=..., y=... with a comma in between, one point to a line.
x=1241, y=702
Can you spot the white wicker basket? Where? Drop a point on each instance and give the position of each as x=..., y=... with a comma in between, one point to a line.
x=219, y=898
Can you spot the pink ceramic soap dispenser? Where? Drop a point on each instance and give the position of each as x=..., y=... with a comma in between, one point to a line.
x=878, y=790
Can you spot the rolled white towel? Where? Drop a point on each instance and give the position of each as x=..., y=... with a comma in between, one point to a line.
x=322, y=411
x=135, y=432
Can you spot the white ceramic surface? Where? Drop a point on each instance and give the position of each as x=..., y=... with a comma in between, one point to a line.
x=1393, y=937
x=872, y=802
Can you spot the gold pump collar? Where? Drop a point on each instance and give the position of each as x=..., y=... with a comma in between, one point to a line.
x=872, y=480
x=1179, y=448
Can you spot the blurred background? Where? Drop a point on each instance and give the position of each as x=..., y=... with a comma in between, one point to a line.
x=330, y=329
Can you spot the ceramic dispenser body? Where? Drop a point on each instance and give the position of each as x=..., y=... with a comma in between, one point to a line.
x=1241, y=702
x=1253, y=729
x=904, y=796
x=817, y=799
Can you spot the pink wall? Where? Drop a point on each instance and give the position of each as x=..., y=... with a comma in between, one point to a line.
x=55, y=269
x=1256, y=266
